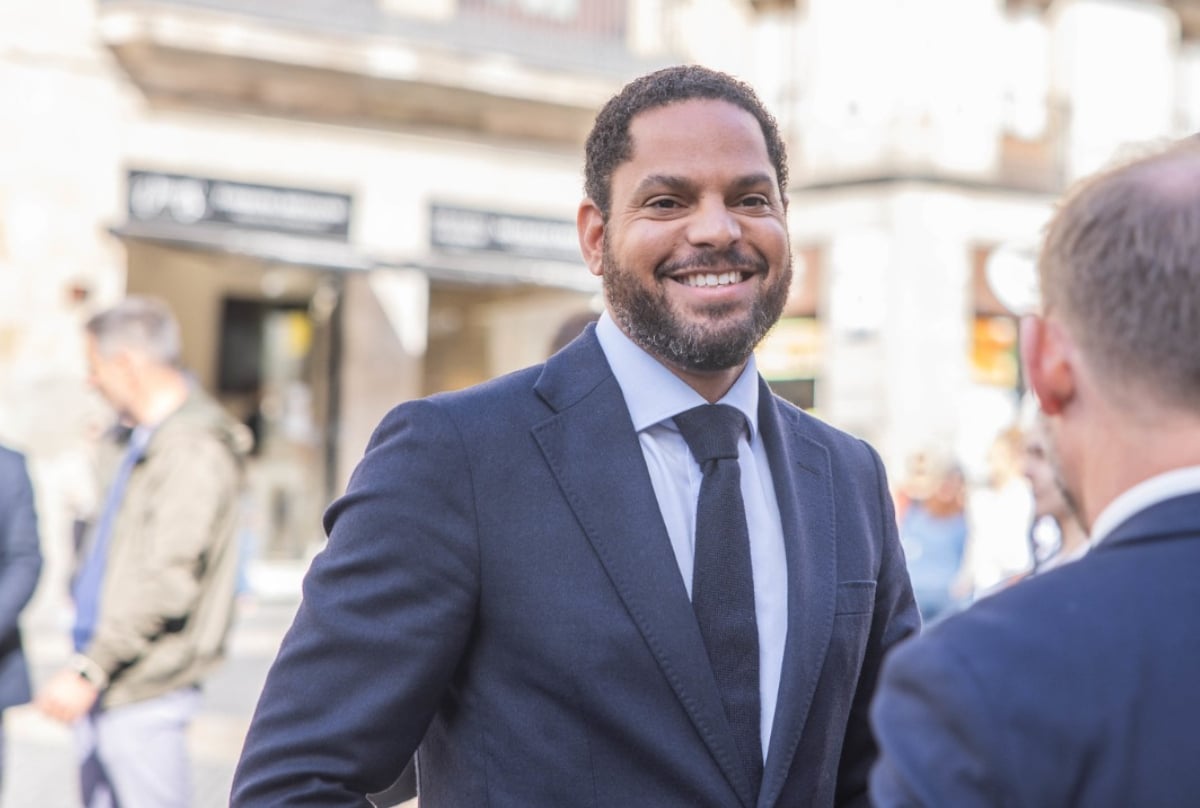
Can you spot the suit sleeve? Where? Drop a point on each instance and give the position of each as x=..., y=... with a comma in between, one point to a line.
x=937, y=733
x=895, y=619
x=20, y=549
x=387, y=609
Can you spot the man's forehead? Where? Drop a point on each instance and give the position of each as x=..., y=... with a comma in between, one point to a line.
x=675, y=131
x=99, y=351
x=694, y=110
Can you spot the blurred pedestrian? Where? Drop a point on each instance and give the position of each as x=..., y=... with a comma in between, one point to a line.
x=999, y=513
x=1077, y=687
x=933, y=532
x=20, y=565
x=154, y=588
x=583, y=583
x=1056, y=535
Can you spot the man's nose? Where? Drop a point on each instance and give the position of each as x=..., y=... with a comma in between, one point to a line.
x=713, y=225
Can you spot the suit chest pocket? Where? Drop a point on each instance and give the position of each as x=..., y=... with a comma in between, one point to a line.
x=855, y=598
x=851, y=628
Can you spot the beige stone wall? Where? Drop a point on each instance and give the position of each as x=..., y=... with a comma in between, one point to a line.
x=851, y=98
x=63, y=111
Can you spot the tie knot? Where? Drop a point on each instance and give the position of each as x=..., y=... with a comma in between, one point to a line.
x=712, y=431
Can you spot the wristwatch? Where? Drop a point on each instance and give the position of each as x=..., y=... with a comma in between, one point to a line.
x=88, y=670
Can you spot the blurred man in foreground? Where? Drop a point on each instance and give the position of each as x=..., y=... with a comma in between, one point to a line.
x=20, y=565
x=154, y=589
x=1078, y=687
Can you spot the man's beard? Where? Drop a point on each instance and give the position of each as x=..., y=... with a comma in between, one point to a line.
x=645, y=313
x=1070, y=500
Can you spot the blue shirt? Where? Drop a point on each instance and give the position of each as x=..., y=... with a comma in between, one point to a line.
x=90, y=580
x=654, y=395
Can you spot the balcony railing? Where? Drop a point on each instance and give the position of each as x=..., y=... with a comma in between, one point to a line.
x=986, y=153
x=592, y=19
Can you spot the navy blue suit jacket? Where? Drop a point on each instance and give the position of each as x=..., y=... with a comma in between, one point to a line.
x=498, y=587
x=1079, y=687
x=20, y=564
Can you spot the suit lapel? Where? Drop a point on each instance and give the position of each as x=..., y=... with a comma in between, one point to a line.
x=804, y=488
x=593, y=452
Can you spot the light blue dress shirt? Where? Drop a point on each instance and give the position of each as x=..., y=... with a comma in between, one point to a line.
x=654, y=396
x=90, y=580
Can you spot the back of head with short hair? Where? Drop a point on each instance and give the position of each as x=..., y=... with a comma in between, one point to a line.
x=144, y=325
x=609, y=143
x=1121, y=265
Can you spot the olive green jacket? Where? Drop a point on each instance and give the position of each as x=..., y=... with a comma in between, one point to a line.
x=168, y=593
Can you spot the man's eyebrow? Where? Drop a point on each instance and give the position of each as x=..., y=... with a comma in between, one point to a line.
x=669, y=182
x=672, y=182
x=754, y=180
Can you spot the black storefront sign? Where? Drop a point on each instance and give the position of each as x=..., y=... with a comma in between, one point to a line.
x=202, y=201
x=468, y=229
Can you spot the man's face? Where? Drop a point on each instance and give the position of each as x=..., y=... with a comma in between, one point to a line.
x=109, y=376
x=696, y=261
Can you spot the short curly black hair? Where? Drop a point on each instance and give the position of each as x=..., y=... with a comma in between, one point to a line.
x=609, y=143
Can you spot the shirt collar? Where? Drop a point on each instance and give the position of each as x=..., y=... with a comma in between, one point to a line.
x=139, y=439
x=654, y=394
x=1161, y=487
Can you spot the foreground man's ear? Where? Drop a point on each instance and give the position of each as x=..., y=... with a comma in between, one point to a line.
x=1047, y=360
x=590, y=223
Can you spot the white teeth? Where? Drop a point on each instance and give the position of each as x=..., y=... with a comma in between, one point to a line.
x=723, y=279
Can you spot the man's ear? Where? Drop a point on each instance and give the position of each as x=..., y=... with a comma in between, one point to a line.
x=1047, y=357
x=590, y=223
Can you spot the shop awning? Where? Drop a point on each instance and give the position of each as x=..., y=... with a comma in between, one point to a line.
x=499, y=270
x=470, y=269
x=280, y=248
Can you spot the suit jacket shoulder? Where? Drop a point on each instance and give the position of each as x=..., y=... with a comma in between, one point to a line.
x=20, y=566
x=1069, y=688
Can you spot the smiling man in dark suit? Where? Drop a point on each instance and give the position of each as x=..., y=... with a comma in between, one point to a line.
x=557, y=584
x=1078, y=687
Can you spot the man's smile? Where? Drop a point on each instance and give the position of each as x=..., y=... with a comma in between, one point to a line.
x=699, y=279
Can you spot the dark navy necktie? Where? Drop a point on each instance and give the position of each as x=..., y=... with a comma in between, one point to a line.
x=722, y=578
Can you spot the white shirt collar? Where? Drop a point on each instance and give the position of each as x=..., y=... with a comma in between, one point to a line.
x=654, y=394
x=1161, y=487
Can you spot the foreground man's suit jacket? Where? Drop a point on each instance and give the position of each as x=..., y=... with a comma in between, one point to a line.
x=1079, y=687
x=20, y=565
x=499, y=588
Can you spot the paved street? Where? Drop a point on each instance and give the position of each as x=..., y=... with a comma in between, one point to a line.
x=40, y=770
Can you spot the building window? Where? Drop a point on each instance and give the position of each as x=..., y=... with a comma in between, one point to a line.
x=994, y=354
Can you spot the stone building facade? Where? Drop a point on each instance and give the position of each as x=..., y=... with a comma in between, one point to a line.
x=358, y=202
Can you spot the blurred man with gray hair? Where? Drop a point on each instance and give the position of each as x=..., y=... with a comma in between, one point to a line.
x=1078, y=686
x=155, y=583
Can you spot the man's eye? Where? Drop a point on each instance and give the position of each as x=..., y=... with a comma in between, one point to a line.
x=755, y=201
x=664, y=203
